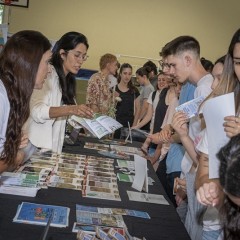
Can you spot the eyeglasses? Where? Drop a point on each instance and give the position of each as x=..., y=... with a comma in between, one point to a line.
x=166, y=65
x=79, y=56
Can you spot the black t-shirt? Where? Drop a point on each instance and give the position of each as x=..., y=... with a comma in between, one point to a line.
x=125, y=108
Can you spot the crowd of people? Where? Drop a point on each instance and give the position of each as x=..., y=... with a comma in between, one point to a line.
x=38, y=94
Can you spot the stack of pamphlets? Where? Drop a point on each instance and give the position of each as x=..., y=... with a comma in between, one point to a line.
x=19, y=184
x=39, y=214
x=102, y=221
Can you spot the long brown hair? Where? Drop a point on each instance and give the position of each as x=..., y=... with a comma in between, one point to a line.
x=229, y=81
x=19, y=62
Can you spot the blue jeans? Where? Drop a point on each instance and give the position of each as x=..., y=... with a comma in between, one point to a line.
x=211, y=235
x=151, y=151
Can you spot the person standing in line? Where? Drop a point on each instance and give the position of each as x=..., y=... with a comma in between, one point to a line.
x=158, y=102
x=50, y=107
x=24, y=65
x=229, y=180
x=128, y=105
x=100, y=97
x=209, y=191
x=142, y=75
x=181, y=58
x=153, y=75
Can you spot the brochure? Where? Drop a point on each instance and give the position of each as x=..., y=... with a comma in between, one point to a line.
x=190, y=108
x=147, y=197
x=114, y=211
x=20, y=184
x=214, y=113
x=39, y=214
x=140, y=181
x=122, y=177
x=99, y=219
x=99, y=126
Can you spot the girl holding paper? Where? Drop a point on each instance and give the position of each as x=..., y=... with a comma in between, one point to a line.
x=209, y=191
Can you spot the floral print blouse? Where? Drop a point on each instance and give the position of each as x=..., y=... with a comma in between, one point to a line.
x=99, y=94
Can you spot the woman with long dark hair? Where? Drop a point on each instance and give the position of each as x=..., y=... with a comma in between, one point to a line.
x=129, y=102
x=51, y=106
x=24, y=64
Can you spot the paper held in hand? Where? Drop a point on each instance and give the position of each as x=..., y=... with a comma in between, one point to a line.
x=214, y=111
x=99, y=126
x=190, y=108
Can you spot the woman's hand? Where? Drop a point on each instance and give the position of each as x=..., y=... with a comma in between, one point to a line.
x=83, y=111
x=180, y=196
x=181, y=183
x=210, y=194
x=179, y=124
x=154, y=138
x=165, y=135
x=232, y=126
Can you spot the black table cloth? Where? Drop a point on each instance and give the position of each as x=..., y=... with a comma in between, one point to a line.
x=164, y=222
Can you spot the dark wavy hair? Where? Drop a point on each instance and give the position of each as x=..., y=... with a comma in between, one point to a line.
x=207, y=64
x=229, y=174
x=229, y=81
x=19, y=62
x=130, y=83
x=144, y=71
x=68, y=84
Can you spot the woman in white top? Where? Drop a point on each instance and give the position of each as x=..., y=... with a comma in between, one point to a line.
x=24, y=64
x=51, y=106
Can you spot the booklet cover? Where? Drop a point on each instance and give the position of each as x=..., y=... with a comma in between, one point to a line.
x=99, y=126
x=147, y=197
x=191, y=108
x=39, y=214
x=99, y=219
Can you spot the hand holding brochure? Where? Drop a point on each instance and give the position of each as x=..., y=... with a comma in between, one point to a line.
x=99, y=126
x=190, y=108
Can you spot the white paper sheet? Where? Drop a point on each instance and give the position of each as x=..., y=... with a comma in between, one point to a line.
x=140, y=181
x=214, y=111
x=147, y=197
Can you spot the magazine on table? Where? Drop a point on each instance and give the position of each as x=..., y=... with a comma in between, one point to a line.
x=98, y=126
x=99, y=219
x=38, y=214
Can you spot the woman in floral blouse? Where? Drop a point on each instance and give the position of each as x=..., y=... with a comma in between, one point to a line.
x=99, y=95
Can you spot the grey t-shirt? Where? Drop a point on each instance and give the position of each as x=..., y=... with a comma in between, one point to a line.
x=145, y=92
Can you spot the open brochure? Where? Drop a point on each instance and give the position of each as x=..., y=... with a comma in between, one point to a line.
x=98, y=126
x=191, y=108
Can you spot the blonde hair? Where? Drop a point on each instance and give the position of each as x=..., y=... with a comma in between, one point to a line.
x=105, y=59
